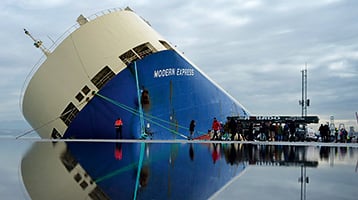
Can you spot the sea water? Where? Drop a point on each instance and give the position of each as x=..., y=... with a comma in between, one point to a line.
x=35, y=168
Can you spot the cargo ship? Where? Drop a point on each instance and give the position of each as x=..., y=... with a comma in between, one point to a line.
x=113, y=65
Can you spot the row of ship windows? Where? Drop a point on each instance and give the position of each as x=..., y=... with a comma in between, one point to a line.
x=103, y=76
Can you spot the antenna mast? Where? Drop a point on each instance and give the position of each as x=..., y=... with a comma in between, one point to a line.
x=38, y=43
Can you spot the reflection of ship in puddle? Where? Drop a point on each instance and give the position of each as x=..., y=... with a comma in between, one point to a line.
x=106, y=170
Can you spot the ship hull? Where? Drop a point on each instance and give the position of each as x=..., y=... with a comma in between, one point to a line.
x=172, y=93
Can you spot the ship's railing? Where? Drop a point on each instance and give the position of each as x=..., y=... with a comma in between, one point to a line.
x=56, y=43
x=76, y=26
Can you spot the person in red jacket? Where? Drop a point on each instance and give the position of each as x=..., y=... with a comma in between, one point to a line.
x=216, y=128
x=118, y=125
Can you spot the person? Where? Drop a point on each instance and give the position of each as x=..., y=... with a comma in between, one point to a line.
x=292, y=130
x=251, y=132
x=343, y=135
x=272, y=132
x=263, y=132
x=118, y=125
x=232, y=128
x=286, y=132
x=279, y=132
x=323, y=131
x=191, y=129
x=327, y=132
x=216, y=128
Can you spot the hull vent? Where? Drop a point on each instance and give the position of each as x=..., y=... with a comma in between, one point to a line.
x=69, y=114
x=103, y=77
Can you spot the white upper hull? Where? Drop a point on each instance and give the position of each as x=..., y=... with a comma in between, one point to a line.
x=71, y=66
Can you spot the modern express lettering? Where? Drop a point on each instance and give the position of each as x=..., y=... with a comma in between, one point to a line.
x=173, y=72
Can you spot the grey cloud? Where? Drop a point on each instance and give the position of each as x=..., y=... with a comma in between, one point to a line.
x=253, y=49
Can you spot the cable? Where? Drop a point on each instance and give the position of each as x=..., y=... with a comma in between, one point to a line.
x=147, y=116
x=45, y=124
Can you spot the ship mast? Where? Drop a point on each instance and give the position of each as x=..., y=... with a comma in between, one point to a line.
x=38, y=43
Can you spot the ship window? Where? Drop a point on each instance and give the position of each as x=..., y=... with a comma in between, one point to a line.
x=165, y=44
x=68, y=161
x=98, y=194
x=86, y=90
x=77, y=177
x=55, y=134
x=103, y=77
x=84, y=184
x=128, y=57
x=144, y=49
x=79, y=97
x=69, y=114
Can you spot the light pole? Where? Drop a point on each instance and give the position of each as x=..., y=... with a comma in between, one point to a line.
x=304, y=102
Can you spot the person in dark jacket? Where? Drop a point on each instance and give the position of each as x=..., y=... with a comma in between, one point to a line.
x=191, y=129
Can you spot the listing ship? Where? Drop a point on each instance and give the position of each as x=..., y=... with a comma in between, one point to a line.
x=115, y=65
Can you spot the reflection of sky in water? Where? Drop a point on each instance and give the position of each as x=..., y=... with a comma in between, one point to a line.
x=335, y=177
x=281, y=183
x=11, y=152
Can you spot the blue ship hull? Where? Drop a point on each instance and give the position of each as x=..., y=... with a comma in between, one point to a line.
x=173, y=93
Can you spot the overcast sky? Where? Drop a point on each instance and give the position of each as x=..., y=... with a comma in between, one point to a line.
x=254, y=49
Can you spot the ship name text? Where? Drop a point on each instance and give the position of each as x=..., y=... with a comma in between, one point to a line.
x=173, y=72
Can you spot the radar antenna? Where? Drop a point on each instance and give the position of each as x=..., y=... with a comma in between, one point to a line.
x=38, y=43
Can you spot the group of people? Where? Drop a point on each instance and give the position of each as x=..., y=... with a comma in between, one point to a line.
x=238, y=130
x=336, y=135
x=216, y=128
x=264, y=131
